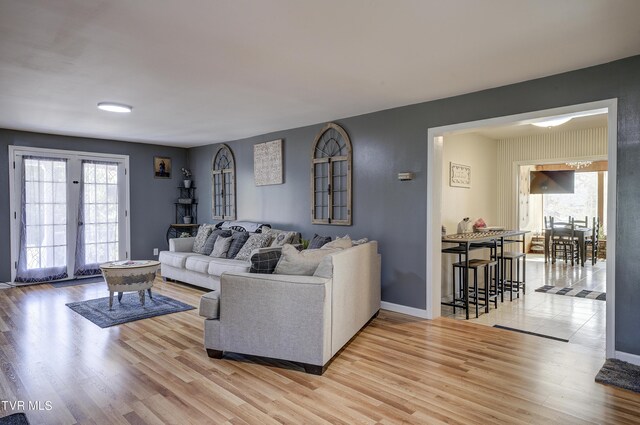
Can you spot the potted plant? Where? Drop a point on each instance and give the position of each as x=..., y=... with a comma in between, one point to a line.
x=187, y=177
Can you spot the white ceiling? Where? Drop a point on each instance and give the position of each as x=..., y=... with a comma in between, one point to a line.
x=199, y=72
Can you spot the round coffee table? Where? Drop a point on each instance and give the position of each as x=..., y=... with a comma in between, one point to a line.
x=129, y=276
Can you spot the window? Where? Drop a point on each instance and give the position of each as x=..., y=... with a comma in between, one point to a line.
x=331, y=177
x=224, y=184
x=588, y=200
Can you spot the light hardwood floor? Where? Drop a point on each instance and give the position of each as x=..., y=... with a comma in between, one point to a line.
x=398, y=370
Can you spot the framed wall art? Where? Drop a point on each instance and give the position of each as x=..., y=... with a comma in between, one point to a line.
x=460, y=175
x=267, y=163
x=162, y=167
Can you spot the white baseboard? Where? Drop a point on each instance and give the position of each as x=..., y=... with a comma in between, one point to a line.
x=397, y=308
x=627, y=357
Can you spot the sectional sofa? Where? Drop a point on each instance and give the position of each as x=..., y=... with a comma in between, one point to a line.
x=304, y=319
x=304, y=313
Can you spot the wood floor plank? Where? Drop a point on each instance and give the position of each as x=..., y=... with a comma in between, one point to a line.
x=399, y=369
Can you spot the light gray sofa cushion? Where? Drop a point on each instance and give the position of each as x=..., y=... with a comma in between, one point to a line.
x=217, y=266
x=301, y=263
x=210, y=305
x=198, y=263
x=174, y=259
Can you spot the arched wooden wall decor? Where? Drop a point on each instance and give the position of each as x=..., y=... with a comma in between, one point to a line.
x=224, y=184
x=331, y=165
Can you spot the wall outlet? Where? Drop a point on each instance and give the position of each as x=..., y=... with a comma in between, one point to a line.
x=155, y=251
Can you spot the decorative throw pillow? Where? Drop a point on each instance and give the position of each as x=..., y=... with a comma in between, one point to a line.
x=305, y=263
x=201, y=238
x=325, y=268
x=211, y=240
x=272, y=232
x=264, y=262
x=342, y=243
x=239, y=238
x=255, y=241
x=319, y=241
x=360, y=241
x=221, y=247
x=282, y=238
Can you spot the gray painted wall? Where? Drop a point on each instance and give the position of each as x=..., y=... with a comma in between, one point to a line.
x=393, y=212
x=151, y=199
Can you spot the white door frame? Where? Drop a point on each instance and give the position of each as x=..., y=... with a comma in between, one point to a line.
x=434, y=201
x=14, y=206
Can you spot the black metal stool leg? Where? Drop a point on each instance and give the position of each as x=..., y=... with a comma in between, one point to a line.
x=487, y=288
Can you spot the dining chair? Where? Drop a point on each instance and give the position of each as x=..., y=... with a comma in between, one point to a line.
x=548, y=229
x=592, y=240
x=581, y=223
x=564, y=238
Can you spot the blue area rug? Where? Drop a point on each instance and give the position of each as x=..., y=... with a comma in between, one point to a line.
x=15, y=419
x=129, y=310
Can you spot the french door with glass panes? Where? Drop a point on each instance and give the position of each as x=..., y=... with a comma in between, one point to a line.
x=69, y=213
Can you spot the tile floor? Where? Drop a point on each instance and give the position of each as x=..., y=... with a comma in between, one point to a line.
x=580, y=320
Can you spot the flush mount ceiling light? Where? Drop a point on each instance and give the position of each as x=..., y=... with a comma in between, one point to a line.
x=115, y=107
x=549, y=122
x=552, y=123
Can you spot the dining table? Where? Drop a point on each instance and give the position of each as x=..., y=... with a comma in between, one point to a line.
x=465, y=240
x=581, y=234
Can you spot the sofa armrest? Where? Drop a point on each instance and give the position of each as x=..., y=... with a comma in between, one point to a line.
x=356, y=290
x=181, y=244
x=278, y=316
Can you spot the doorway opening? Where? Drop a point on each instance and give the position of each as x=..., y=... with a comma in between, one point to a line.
x=506, y=212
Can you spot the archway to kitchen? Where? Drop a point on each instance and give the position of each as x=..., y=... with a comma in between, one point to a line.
x=508, y=204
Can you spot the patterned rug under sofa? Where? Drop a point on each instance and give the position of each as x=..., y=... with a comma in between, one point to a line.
x=573, y=292
x=129, y=310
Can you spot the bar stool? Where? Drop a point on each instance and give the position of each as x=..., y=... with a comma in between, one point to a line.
x=489, y=292
x=511, y=260
x=458, y=294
